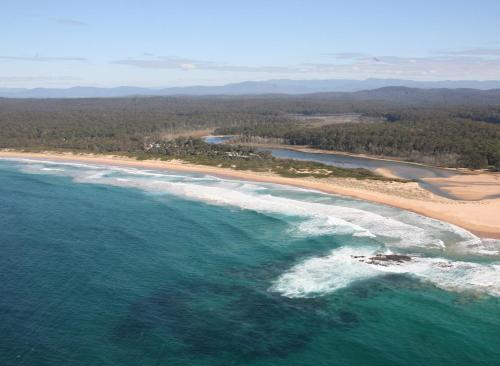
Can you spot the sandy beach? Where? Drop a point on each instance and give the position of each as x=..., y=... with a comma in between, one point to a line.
x=471, y=186
x=481, y=217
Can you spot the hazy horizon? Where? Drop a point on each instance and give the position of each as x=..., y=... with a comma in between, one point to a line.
x=158, y=44
x=160, y=87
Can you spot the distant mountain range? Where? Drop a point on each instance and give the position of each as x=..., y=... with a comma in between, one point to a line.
x=291, y=87
x=400, y=95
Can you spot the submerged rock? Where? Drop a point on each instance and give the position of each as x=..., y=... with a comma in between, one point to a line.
x=381, y=259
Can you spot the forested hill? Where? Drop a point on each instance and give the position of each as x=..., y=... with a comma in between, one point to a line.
x=282, y=86
x=442, y=127
x=413, y=96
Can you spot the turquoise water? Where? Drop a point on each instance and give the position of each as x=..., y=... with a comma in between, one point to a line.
x=114, y=266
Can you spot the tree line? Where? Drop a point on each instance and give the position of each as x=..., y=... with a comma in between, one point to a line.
x=449, y=130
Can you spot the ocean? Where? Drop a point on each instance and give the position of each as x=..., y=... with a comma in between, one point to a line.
x=105, y=265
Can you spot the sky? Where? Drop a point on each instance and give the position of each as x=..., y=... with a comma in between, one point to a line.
x=166, y=43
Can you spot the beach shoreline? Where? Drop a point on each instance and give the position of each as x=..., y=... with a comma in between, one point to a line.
x=481, y=217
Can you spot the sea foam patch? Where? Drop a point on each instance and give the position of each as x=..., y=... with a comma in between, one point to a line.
x=345, y=266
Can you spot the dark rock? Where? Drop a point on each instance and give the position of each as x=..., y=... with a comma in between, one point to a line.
x=387, y=258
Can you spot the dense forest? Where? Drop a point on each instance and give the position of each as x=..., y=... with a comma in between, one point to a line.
x=441, y=127
x=451, y=143
x=121, y=124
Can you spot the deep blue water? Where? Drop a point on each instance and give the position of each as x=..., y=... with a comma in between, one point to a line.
x=103, y=266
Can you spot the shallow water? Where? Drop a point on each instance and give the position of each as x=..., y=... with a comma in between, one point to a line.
x=119, y=266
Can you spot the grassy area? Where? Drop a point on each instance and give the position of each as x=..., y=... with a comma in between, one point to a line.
x=196, y=151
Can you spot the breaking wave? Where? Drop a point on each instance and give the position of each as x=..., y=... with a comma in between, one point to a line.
x=345, y=266
x=391, y=230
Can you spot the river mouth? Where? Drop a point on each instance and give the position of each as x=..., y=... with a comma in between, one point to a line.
x=403, y=170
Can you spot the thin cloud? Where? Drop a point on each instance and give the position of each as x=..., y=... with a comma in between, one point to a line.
x=347, y=55
x=178, y=63
x=23, y=79
x=70, y=22
x=362, y=65
x=164, y=63
x=472, y=52
x=416, y=67
x=37, y=58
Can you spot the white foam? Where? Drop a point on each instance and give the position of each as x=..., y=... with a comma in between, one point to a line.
x=403, y=229
x=321, y=218
x=485, y=247
x=468, y=238
x=344, y=266
x=63, y=163
x=392, y=229
x=322, y=275
x=52, y=169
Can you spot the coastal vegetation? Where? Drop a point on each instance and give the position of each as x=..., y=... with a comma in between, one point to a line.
x=196, y=151
x=452, y=128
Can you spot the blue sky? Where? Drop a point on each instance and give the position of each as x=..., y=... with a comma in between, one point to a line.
x=174, y=43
